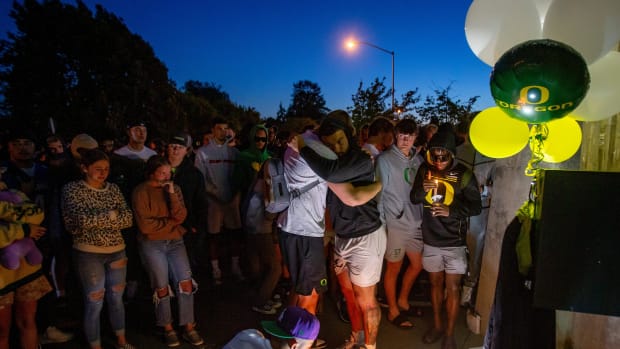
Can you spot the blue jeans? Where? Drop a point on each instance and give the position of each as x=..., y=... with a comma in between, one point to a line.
x=102, y=274
x=164, y=260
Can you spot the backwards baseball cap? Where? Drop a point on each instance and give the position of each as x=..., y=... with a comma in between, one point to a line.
x=136, y=123
x=248, y=339
x=181, y=138
x=294, y=322
x=83, y=141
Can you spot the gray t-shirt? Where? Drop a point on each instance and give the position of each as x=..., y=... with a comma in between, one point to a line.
x=306, y=214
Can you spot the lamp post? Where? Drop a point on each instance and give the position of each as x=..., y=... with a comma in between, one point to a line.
x=352, y=43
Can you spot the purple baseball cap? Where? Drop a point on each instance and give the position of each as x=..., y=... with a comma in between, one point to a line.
x=293, y=322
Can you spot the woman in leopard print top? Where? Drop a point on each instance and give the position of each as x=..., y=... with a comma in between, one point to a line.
x=94, y=212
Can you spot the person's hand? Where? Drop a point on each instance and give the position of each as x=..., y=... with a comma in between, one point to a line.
x=36, y=231
x=3, y=186
x=169, y=187
x=429, y=184
x=440, y=210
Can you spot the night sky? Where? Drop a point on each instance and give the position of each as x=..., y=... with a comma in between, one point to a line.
x=256, y=50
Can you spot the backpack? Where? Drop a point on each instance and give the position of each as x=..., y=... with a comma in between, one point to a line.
x=278, y=197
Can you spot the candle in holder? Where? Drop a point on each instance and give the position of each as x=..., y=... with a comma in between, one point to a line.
x=435, y=188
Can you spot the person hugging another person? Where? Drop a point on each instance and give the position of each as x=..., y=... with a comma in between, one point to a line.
x=94, y=212
x=159, y=211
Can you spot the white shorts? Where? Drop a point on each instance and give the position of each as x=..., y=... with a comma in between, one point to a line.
x=361, y=257
x=452, y=260
x=400, y=242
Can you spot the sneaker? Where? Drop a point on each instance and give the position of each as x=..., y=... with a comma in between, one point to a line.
x=274, y=303
x=217, y=276
x=54, y=335
x=264, y=309
x=237, y=274
x=193, y=337
x=343, y=313
x=171, y=339
x=125, y=346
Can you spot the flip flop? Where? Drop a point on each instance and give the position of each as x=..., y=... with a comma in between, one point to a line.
x=413, y=311
x=401, y=321
x=432, y=335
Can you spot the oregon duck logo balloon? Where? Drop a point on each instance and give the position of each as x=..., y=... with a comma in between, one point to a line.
x=539, y=81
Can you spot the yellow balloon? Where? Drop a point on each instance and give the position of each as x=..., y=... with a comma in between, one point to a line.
x=495, y=134
x=563, y=140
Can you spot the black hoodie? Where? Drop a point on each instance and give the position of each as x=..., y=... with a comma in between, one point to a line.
x=459, y=190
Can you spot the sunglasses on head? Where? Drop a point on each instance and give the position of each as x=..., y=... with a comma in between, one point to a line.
x=260, y=139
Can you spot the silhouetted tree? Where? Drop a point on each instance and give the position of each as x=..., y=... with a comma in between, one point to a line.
x=307, y=101
x=87, y=71
x=446, y=109
x=371, y=102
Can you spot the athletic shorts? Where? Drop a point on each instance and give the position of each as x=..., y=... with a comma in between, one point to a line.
x=32, y=291
x=223, y=215
x=305, y=258
x=361, y=257
x=452, y=260
x=400, y=242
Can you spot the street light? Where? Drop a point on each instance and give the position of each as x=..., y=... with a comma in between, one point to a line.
x=351, y=43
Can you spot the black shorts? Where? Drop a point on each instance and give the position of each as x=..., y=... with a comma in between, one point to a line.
x=305, y=259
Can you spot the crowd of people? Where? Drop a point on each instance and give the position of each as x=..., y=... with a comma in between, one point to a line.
x=109, y=215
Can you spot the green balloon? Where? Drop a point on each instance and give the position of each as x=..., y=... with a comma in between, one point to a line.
x=539, y=80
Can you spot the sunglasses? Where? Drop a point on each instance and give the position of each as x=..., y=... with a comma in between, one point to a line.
x=260, y=139
x=440, y=158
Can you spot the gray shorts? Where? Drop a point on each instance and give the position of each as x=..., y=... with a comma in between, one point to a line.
x=452, y=260
x=361, y=257
x=400, y=242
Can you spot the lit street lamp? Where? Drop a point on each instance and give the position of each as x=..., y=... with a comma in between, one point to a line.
x=352, y=43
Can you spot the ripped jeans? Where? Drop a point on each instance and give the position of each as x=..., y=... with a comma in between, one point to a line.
x=165, y=261
x=102, y=275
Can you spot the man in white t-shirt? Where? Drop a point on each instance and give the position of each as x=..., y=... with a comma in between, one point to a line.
x=135, y=149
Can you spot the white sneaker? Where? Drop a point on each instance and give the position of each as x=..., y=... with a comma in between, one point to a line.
x=54, y=335
x=217, y=276
x=237, y=274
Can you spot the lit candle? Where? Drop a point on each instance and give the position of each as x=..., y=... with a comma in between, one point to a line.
x=435, y=189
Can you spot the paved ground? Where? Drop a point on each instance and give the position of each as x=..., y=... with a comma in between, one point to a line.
x=224, y=310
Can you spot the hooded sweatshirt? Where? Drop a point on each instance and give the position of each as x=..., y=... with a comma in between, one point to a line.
x=458, y=189
x=249, y=162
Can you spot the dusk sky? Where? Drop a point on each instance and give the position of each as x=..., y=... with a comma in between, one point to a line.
x=256, y=50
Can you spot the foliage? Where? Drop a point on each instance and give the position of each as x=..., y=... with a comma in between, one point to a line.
x=371, y=102
x=86, y=71
x=307, y=101
x=91, y=74
x=446, y=109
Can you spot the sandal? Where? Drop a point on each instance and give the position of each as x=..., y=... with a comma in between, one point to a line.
x=401, y=321
x=432, y=335
x=413, y=311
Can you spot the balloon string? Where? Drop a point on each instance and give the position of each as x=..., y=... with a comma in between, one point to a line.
x=539, y=134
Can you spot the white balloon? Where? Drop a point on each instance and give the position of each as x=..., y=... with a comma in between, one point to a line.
x=603, y=98
x=494, y=26
x=591, y=27
x=542, y=6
